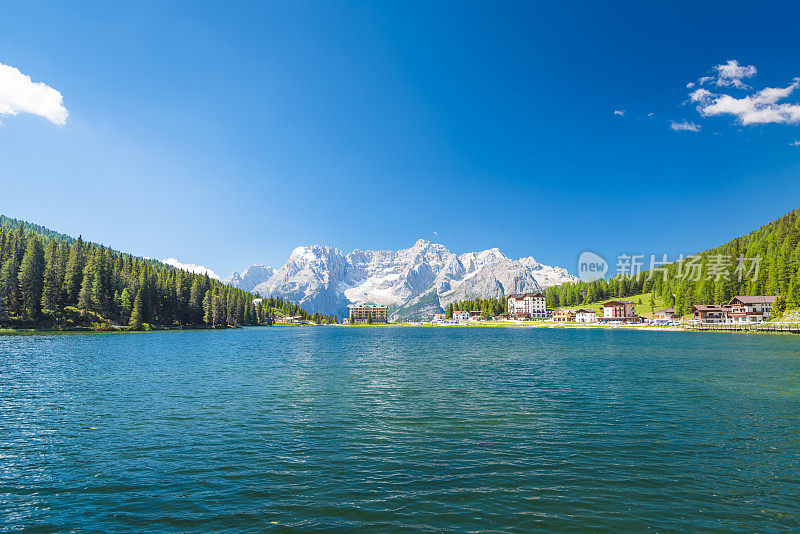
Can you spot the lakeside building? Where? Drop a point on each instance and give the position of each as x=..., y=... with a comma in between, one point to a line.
x=623, y=311
x=584, y=315
x=460, y=316
x=438, y=317
x=667, y=314
x=527, y=306
x=746, y=309
x=710, y=313
x=564, y=316
x=476, y=316
x=742, y=309
x=368, y=313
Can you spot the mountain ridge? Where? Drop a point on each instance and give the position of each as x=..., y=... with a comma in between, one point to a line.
x=414, y=282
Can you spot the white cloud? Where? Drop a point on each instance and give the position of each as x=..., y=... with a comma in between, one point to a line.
x=18, y=94
x=731, y=74
x=435, y=232
x=620, y=112
x=690, y=85
x=795, y=143
x=701, y=95
x=191, y=267
x=650, y=114
x=761, y=107
x=685, y=126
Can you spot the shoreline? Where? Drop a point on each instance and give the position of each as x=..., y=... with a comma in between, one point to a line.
x=581, y=326
x=486, y=324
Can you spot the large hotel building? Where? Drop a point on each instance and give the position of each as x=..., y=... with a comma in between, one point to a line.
x=367, y=313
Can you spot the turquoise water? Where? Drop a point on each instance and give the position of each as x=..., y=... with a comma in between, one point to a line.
x=400, y=429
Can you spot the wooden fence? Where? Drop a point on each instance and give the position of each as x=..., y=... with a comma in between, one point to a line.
x=760, y=327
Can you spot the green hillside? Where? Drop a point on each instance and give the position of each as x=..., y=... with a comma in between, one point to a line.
x=765, y=261
x=51, y=280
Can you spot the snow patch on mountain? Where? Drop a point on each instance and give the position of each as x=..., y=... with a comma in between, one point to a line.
x=190, y=267
x=250, y=277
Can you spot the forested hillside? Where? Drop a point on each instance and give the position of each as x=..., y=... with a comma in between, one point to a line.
x=52, y=280
x=763, y=262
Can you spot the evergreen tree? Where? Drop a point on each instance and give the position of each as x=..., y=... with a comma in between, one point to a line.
x=74, y=273
x=31, y=278
x=208, y=308
x=51, y=293
x=85, y=294
x=125, y=306
x=217, y=312
x=137, y=312
x=9, y=285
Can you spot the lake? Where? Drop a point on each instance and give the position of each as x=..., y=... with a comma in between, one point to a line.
x=400, y=430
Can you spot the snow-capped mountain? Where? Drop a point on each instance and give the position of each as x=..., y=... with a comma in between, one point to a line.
x=415, y=282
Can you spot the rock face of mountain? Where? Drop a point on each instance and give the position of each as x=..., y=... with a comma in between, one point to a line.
x=250, y=277
x=415, y=282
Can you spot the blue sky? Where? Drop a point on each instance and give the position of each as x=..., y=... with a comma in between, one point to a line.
x=227, y=135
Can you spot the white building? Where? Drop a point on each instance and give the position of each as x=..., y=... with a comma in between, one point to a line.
x=527, y=306
x=460, y=315
x=619, y=309
x=438, y=317
x=750, y=309
x=585, y=316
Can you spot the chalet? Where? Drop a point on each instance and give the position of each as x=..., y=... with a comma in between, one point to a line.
x=564, y=316
x=527, y=306
x=476, y=316
x=710, y=313
x=585, y=316
x=438, y=317
x=623, y=311
x=460, y=315
x=750, y=309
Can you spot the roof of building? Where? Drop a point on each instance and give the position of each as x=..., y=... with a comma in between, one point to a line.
x=666, y=310
x=755, y=299
x=617, y=302
x=520, y=296
x=585, y=310
x=708, y=307
x=564, y=311
x=374, y=306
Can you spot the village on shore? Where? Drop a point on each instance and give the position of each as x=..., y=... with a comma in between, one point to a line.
x=530, y=309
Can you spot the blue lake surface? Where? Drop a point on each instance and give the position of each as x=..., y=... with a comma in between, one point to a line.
x=400, y=430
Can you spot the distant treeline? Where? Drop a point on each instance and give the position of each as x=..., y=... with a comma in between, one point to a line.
x=490, y=307
x=46, y=277
x=285, y=308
